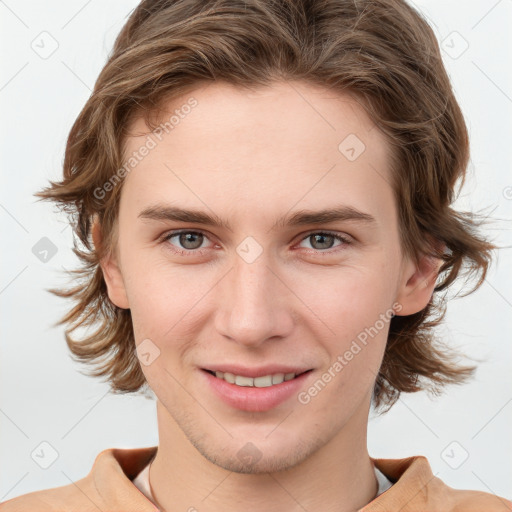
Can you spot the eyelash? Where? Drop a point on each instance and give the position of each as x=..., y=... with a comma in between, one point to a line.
x=195, y=252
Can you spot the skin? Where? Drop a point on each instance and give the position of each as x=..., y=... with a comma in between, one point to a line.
x=252, y=158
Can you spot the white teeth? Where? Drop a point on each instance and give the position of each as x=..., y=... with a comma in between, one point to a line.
x=258, y=382
x=263, y=382
x=244, y=381
x=277, y=378
x=229, y=377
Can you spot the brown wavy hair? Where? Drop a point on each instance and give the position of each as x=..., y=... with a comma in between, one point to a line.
x=382, y=52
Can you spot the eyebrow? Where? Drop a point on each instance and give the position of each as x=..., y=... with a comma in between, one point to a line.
x=161, y=212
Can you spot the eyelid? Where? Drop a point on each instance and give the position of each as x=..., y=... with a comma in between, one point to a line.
x=170, y=234
x=344, y=238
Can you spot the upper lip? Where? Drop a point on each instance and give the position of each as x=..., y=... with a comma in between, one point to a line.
x=257, y=371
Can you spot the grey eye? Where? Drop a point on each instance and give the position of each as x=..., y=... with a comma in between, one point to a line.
x=190, y=240
x=322, y=241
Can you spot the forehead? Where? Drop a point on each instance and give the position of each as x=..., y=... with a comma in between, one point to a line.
x=281, y=112
x=286, y=143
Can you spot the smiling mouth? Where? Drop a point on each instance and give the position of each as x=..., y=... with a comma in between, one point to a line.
x=257, y=382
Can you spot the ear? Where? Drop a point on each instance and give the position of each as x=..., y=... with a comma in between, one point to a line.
x=111, y=271
x=417, y=284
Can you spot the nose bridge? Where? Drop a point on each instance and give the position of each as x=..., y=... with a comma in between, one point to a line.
x=254, y=306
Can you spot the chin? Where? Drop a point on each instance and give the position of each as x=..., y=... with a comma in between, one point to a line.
x=258, y=458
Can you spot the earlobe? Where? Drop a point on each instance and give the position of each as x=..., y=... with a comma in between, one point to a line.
x=418, y=284
x=111, y=272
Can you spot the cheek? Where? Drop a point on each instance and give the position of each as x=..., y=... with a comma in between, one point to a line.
x=348, y=299
x=354, y=306
x=358, y=317
x=164, y=299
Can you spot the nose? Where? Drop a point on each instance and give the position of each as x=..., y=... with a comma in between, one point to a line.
x=255, y=304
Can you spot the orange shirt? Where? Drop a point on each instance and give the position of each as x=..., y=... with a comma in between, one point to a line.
x=109, y=487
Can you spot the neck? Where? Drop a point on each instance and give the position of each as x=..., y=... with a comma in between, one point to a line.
x=339, y=476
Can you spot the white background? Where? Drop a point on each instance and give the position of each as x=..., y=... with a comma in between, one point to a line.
x=43, y=397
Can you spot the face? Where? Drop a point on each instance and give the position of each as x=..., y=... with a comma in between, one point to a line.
x=271, y=287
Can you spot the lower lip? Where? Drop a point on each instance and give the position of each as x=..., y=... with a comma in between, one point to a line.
x=255, y=399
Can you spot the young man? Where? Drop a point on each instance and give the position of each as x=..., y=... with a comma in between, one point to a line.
x=263, y=192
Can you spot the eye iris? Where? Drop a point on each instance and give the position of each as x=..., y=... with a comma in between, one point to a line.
x=188, y=238
x=322, y=236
